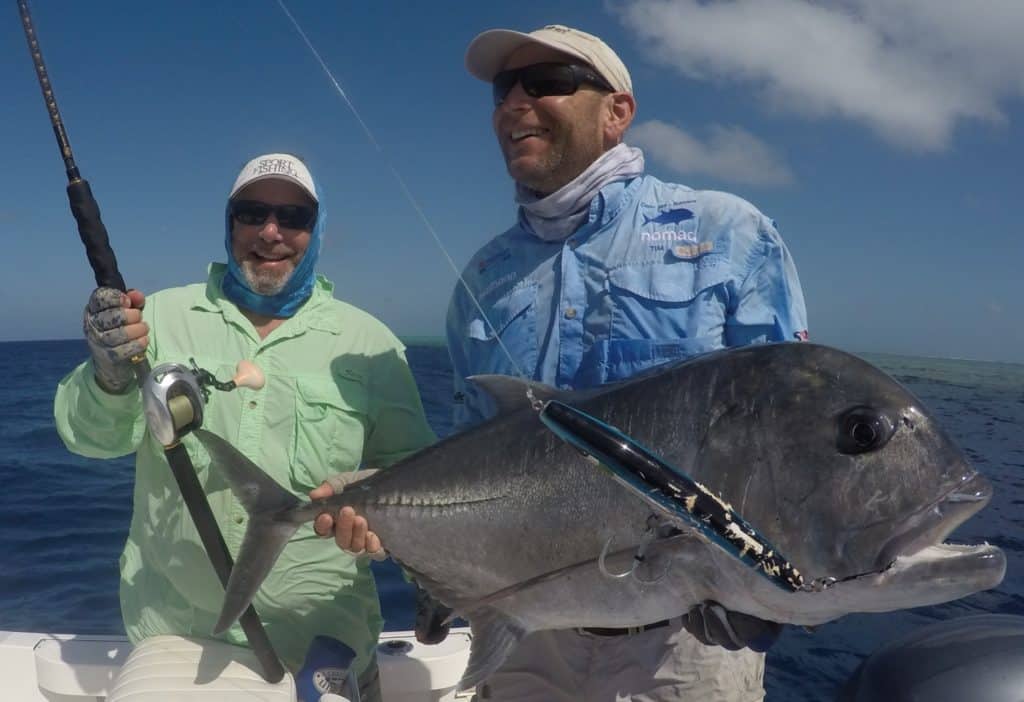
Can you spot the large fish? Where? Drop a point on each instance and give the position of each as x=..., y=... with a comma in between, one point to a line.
x=831, y=460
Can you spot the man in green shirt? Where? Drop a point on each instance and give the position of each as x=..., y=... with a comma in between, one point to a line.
x=339, y=395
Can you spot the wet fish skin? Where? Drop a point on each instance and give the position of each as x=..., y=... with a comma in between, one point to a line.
x=766, y=427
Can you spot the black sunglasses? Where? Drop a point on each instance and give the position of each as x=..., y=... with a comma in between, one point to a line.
x=543, y=79
x=255, y=213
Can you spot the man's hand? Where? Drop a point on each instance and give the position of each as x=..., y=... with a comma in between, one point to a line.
x=351, y=532
x=714, y=625
x=113, y=327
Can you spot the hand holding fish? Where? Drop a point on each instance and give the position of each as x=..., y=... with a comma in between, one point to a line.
x=350, y=530
x=714, y=625
x=115, y=332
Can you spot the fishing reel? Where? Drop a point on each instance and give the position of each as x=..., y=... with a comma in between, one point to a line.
x=173, y=396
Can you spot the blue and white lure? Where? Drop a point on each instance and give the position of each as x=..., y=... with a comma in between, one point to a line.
x=671, y=490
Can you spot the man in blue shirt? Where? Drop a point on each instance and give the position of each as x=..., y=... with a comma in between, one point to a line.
x=607, y=272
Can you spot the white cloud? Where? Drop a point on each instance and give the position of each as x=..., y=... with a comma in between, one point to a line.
x=730, y=153
x=908, y=69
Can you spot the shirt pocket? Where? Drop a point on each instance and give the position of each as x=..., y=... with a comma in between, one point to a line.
x=514, y=320
x=661, y=312
x=331, y=424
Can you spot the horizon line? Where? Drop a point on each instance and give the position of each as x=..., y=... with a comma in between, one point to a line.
x=433, y=341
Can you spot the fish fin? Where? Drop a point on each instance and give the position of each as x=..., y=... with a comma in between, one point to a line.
x=437, y=589
x=267, y=533
x=495, y=636
x=265, y=539
x=256, y=490
x=510, y=393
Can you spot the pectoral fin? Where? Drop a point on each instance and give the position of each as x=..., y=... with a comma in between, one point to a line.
x=495, y=637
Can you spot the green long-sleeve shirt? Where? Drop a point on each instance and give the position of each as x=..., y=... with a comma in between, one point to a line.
x=339, y=395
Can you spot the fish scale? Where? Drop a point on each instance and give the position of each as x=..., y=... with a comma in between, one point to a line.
x=539, y=530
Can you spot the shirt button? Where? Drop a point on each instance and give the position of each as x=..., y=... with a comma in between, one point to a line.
x=252, y=404
x=570, y=313
x=239, y=520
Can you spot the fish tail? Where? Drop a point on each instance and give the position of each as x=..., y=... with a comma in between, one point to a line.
x=269, y=530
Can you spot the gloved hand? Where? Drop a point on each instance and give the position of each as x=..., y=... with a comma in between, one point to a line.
x=714, y=625
x=351, y=532
x=115, y=332
x=431, y=627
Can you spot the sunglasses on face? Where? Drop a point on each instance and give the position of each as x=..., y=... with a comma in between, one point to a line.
x=543, y=79
x=256, y=213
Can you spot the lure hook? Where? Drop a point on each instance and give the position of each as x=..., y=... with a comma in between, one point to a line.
x=650, y=533
x=604, y=568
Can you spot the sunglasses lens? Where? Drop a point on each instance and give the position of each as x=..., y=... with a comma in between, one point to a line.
x=250, y=212
x=543, y=79
x=549, y=79
x=255, y=213
x=294, y=216
x=502, y=85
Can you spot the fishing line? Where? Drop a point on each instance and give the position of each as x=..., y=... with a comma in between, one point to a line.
x=730, y=531
x=404, y=188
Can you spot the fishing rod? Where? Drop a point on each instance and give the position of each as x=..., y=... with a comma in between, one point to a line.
x=183, y=404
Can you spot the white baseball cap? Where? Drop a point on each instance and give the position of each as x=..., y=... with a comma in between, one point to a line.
x=281, y=166
x=488, y=52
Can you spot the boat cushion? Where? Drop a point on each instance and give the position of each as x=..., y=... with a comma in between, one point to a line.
x=173, y=668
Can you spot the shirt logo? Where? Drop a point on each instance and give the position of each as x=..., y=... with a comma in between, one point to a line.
x=670, y=217
x=672, y=234
x=693, y=250
x=496, y=284
x=669, y=236
x=499, y=257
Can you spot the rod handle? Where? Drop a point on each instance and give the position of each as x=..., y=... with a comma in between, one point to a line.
x=93, y=234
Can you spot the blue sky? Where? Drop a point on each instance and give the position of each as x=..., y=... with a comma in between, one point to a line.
x=884, y=137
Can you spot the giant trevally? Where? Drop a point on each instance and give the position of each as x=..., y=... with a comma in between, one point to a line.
x=831, y=460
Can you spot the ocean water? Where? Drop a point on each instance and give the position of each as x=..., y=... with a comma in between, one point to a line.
x=63, y=518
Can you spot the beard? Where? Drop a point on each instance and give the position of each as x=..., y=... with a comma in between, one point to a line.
x=566, y=158
x=543, y=176
x=265, y=282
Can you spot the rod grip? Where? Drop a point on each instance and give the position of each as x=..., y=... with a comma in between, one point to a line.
x=94, y=236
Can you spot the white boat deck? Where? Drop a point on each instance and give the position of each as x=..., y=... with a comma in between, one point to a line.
x=39, y=667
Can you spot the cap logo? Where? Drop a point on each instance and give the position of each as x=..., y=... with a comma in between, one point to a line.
x=275, y=166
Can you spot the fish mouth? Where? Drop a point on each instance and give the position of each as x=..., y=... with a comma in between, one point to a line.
x=933, y=575
x=929, y=527
x=916, y=567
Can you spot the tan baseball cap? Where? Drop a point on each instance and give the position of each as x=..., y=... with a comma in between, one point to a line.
x=488, y=52
x=282, y=166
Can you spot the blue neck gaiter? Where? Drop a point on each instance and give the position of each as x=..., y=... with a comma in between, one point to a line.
x=294, y=293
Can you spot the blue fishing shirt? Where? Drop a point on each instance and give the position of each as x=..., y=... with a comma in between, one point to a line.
x=659, y=272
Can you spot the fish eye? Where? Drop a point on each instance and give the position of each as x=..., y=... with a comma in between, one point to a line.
x=863, y=429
